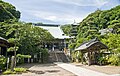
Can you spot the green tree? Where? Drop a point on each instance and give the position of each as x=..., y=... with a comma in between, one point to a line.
x=8, y=12
x=66, y=29
x=106, y=19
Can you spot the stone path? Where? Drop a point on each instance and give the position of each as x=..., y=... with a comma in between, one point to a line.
x=44, y=70
x=51, y=70
x=59, y=69
x=79, y=71
x=107, y=69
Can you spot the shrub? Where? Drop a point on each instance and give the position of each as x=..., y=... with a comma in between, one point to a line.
x=102, y=60
x=21, y=57
x=44, y=55
x=76, y=56
x=16, y=70
x=114, y=59
x=2, y=62
x=20, y=70
x=9, y=72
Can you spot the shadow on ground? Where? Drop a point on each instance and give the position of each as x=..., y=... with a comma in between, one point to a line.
x=36, y=64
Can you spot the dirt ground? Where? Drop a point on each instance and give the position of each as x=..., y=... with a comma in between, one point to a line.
x=43, y=70
x=103, y=69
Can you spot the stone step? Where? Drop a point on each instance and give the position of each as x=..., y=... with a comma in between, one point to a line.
x=57, y=57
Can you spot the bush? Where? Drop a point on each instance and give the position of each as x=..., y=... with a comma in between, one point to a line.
x=9, y=72
x=102, y=60
x=73, y=56
x=2, y=62
x=114, y=59
x=20, y=70
x=16, y=70
x=76, y=56
x=44, y=55
x=21, y=57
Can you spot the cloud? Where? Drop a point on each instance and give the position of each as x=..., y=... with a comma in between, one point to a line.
x=58, y=11
x=52, y=18
x=97, y=3
x=55, y=17
x=43, y=14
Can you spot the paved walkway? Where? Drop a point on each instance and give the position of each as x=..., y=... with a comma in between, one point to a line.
x=79, y=71
x=43, y=70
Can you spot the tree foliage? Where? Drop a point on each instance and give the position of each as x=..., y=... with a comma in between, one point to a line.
x=90, y=26
x=98, y=20
x=8, y=12
x=66, y=29
x=26, y=36
x=28, y=39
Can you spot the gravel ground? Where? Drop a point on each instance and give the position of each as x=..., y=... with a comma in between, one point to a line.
x=43, y=70
x=110, y=70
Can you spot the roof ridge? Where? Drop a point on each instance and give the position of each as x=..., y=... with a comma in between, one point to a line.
x=49, y=25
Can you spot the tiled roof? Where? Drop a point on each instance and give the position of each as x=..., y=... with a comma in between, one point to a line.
x=88, y=44
x=1, y=38
x=54, y=30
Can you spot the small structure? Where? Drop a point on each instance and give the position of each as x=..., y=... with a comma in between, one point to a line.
x=3, y=46
x=73, y=31
x=92, y=50
x=3, y=52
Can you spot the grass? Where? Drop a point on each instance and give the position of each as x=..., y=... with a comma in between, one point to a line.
x=16, y=70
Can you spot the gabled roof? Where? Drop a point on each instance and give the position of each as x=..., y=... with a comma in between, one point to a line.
x=5, y=43
x=92, y=43
x=54, y=30
x=1, y=38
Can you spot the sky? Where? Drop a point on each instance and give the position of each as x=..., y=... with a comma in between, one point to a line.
x=59, y=11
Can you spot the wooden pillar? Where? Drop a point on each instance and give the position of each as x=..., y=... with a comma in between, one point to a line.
x=28, y=60
x=8, y=60
x=89, y=58
x=12, y=63
x=53, y=47
x=82, y=57
x=64, y=43
x=6, y=52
